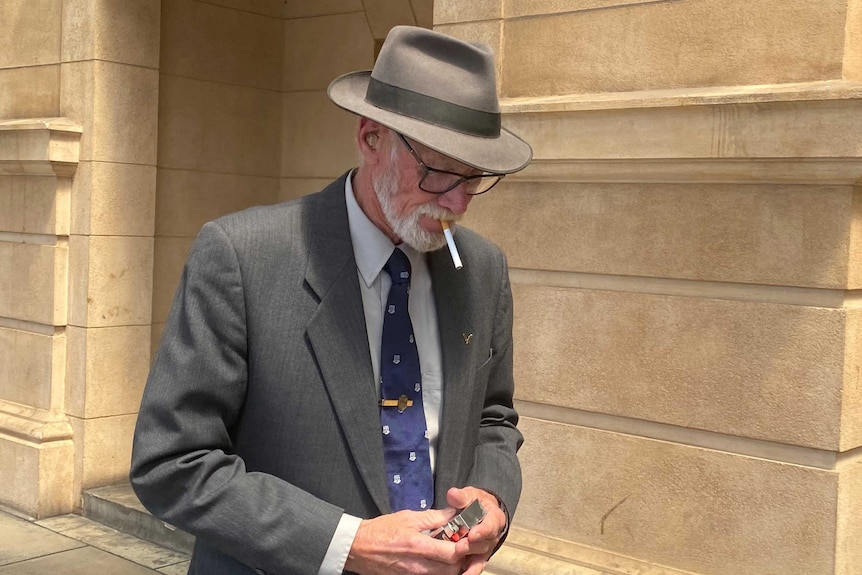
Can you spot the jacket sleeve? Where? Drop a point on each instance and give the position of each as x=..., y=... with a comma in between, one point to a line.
x=183, y=466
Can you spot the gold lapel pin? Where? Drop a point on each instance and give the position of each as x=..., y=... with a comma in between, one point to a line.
x=467, y=338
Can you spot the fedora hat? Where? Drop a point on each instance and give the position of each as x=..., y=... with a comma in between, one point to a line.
x=440, y=92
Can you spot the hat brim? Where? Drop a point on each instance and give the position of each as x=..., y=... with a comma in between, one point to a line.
x=503, y=155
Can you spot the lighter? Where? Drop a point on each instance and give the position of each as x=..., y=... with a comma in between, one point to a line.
x=461, y=524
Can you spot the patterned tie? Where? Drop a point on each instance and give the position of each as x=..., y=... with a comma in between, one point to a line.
x=405, y=440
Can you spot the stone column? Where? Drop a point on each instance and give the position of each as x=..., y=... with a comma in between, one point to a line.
x=685, y=254
x=109, y=84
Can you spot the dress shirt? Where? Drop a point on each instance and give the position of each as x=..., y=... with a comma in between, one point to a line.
x=371, y=249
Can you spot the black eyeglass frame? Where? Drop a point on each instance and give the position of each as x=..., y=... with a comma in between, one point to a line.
x=426, y=171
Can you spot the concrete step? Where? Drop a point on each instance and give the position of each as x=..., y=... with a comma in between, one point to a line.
x=117, y=507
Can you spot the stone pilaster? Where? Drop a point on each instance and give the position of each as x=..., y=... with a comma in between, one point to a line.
x=37, y=161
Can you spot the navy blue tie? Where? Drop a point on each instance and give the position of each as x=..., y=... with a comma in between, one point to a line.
x=405, y=435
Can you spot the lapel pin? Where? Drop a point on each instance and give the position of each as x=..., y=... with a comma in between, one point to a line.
x=467, y=338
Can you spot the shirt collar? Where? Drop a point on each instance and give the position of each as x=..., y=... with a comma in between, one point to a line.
x=371, y=247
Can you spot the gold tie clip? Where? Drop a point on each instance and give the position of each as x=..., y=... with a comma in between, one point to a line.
x=401, y=403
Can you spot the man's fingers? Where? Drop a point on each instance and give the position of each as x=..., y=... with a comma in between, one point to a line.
x=474, y=565
x=457, y=498
x=430, y=519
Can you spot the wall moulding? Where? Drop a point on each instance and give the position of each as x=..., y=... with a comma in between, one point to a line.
x=820, y=171
x=801, y=134
x=677, y=97
x=530, y=553
x=33, y=425
x=39, y=146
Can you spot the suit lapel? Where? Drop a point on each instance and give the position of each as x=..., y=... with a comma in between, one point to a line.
x=339, y=340
x=454, y=320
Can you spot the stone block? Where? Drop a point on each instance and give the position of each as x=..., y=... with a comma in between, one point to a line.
x=210, y=127
x=273, y=8
x=34, y=282
x=754, y=234
x=77, y=95
x=851, y=400
x=103, y=450
x=305, y=9
x=170, y=257
x=742, y=368
x=107, y=369
x=522, y=8
x=36, y=477
x=31, y=368
x=692, y=509
x=31, y=34
x=489, y=32
x=292, y=188
x=848, y=552
x=454, y=11
x=853, y=42
x=854, y=255
x=30, y=92
x=189, y=199
x=118, y=107
x=112, y=199
x=723, y=126
x=34, y=205
x=637, y=47
x=318, y=138
x=423, y=11
x=111, y=281
x=382, y=15
x=348, y=42
x=123, y=32
x=219, y=44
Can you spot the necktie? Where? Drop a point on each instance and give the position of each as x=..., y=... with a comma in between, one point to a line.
x=405, y=441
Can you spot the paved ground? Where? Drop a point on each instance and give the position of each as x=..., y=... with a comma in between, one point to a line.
x=74, y=545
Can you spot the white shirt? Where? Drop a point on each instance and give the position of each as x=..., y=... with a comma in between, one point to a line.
x=371, y=249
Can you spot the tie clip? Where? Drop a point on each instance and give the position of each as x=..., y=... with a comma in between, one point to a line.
x=401, y=403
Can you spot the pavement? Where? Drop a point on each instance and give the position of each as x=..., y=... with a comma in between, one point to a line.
x=75, y=545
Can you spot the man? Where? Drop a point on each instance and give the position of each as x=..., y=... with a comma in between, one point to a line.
x=329, y=389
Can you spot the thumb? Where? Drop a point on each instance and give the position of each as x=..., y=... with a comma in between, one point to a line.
x=457, y=498
x=432, y=518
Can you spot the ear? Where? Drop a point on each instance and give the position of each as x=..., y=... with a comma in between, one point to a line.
x=368, y=138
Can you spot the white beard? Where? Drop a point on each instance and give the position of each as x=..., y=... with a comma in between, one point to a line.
x=407, y=227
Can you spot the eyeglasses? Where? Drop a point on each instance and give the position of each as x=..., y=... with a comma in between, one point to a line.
x=436, y=181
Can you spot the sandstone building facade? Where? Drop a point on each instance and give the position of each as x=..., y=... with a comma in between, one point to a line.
x=686, y=248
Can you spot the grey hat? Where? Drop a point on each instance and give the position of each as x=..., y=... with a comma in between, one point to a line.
x=439, y=91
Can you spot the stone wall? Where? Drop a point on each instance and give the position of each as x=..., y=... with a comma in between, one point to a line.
x=78, y=95
x=243, y=114
x=685, y=255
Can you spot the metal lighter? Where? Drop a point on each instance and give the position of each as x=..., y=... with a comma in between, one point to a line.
x=461, y=524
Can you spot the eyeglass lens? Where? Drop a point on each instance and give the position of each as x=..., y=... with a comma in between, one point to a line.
x=441, y=182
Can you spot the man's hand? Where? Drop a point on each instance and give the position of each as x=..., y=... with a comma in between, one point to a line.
x=483, y=538
x=395, y=543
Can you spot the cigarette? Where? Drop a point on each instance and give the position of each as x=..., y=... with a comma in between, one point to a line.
x=450, y=241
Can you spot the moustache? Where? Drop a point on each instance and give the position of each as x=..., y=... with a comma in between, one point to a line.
x=437, y=213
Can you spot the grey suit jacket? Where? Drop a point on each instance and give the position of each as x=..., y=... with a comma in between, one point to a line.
x=259, y=424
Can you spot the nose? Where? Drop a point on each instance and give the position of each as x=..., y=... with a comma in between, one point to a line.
x=455, y=200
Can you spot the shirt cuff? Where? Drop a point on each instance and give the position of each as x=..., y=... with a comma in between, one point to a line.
x=339, y=547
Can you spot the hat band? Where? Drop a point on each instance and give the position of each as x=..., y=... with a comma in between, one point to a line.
x=432, y=110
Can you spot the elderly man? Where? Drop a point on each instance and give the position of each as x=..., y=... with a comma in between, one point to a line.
x=330, y=389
